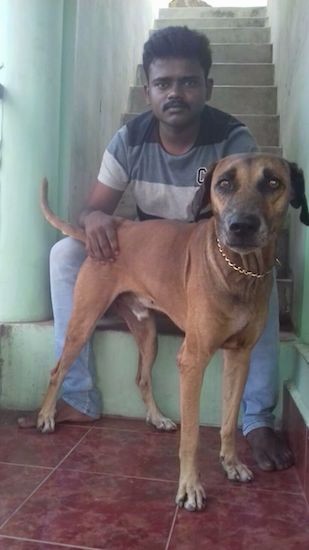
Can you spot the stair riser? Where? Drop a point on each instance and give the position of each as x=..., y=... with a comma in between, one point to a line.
x=193, y=13
x=241, y=53
x=272, y=150
x=238, y=74
x=236, y=36
x=25, y=376
x=214, y=22
x=243, y=74
x=233, y=99
x=265, y=129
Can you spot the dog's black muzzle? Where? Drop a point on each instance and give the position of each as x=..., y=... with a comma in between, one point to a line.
x=242, y=230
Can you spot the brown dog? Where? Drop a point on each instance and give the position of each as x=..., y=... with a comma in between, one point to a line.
x=212, y=278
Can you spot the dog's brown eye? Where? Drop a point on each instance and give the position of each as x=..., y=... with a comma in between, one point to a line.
x=274, y=184
x=224, y=184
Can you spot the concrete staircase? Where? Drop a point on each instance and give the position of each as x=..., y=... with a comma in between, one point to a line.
x=243, y=74
x=242, y=67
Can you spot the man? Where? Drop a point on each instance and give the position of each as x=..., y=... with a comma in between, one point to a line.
x=163, y=154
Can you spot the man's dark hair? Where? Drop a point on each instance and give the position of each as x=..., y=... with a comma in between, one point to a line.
x=177, y=42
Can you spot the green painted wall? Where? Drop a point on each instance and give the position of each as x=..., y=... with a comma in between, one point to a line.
x=290, y=37
x=290, y=23
x=31, y=53
x=67, y=67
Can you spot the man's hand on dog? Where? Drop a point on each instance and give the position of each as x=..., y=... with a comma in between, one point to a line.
x=102, y=241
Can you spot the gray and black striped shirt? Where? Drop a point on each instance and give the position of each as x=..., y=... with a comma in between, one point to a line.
x=164, y=185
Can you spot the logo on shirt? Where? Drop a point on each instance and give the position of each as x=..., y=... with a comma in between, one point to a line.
x=200, y=175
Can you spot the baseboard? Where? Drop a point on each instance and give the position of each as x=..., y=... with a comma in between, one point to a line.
x=296, y=430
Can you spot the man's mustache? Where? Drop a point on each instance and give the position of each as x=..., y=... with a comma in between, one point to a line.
x=175, y=104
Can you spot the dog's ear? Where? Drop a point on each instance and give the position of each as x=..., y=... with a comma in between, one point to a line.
x=298, y=199
x=201, y=203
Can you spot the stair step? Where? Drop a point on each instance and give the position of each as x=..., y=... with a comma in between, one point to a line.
x=245, y=99
x=116, y=359
x=233, y=74
x=236, y=36
x=243, y=74
x=272, y=150
x=265, y=128
x=233, y=99
x=241, y=53
x=192, y=13
x=212, y=22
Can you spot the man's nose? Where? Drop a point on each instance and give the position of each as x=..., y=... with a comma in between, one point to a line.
x=175, y=90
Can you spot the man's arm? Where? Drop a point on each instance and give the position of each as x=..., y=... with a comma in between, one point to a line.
x=97, y=217
x=100, y=226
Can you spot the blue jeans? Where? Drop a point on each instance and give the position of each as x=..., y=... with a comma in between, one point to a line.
x=79, y=389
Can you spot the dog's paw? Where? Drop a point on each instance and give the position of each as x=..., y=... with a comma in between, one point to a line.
x=45, y=423
x=161, y=423
x=237, y=471
x=191, y=496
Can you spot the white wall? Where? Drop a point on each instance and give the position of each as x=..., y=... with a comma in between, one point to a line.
x=108, y=46
x=290, y=37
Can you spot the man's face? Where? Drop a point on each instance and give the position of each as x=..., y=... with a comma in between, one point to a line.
x=177, y=91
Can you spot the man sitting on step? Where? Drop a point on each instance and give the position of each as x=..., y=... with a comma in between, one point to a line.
x=162, y=153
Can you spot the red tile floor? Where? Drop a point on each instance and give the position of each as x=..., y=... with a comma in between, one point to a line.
x=112, y=486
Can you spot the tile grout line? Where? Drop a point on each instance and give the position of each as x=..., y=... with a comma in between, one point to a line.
x=23, y=465
x=175, y=481
x=306, y=482
x=43, y=481
x=122, y=476
x=171, y=529
x=57, y=544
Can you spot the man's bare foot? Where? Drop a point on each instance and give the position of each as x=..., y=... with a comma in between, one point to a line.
x=64, y=413
x=269, y=449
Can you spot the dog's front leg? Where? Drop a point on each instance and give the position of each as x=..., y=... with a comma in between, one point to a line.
x=191, y=493
x=236, y=363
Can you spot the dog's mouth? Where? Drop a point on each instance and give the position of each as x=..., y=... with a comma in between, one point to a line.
x=241, y=248
x=244, y=244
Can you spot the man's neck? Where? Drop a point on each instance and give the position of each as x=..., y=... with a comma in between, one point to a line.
x=177, y=141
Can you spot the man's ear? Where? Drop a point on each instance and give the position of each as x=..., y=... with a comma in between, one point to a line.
x=201, y=203
x=298, y=198
x=209, y=87
x=146, y=92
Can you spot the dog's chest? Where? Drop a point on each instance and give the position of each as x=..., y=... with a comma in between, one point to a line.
x=241, y=320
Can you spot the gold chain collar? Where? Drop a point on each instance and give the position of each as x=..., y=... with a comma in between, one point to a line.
x=240, y=269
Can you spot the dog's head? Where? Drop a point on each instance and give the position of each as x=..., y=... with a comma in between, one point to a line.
x=249, y=196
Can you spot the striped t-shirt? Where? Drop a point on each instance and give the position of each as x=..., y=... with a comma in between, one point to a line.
x=164, y=185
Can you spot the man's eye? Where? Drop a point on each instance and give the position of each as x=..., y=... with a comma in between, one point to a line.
x=161, y=85
x=190, y=82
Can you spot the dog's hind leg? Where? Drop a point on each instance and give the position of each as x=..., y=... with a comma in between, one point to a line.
x=143, y=329
x=91, y=299
x=236, y=362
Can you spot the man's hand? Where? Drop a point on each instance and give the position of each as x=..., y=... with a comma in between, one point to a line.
x=101, y=233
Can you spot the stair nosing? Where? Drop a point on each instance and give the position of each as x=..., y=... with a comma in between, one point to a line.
x=224, y=28
x=273, y=115
x=272, y=86
x=253, y=63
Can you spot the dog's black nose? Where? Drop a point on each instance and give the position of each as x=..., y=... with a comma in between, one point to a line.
x=244, y=224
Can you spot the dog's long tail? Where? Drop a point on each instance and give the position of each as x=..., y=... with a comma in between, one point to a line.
x=65, y=227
